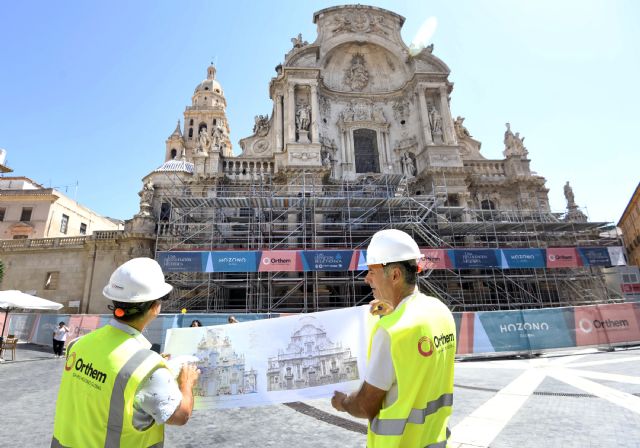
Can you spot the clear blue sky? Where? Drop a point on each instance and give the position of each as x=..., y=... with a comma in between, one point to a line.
x=89, y=91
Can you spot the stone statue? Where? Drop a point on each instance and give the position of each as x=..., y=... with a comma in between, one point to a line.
x=378, y=115
x=326, y=159
x=146, y=195
x=513, y=144
x=261, y=126
x=204, y=142
x=216, y=136
x=356, y=76
x=298, y=42
x=568, y=194
x=408, y=167
x=303, y=117
x=435, y=121
x=348, y=113
x=461, y=131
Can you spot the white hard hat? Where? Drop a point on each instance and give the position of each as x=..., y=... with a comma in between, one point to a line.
x=137, y=280
x=390, y=246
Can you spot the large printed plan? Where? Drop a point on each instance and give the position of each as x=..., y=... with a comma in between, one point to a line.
x=277, y=360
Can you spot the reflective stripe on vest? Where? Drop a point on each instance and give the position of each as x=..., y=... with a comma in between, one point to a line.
x=395, y=426
x=116, y=407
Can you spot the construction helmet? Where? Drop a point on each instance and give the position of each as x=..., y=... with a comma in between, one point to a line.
x=137, y=280
x=390, y=246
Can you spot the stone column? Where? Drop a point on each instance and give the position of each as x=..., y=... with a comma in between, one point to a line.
x=315, y=137
x=278, y=123
x=447, y=121
x=424, y=116
x=291, y=113
x=343, y=152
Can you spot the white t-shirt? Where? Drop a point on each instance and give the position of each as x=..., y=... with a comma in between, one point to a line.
x=158, y=396
x=60, y=334
x=380, y=370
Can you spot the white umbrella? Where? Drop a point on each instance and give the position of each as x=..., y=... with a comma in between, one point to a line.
x=13, y=300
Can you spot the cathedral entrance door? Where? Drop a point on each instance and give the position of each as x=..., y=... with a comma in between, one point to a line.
x=365, y=144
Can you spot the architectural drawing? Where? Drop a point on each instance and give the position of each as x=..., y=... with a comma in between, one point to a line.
x=311, y=359
x=223, y=371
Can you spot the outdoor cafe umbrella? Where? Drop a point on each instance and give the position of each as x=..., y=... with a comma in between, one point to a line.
x=13, y=300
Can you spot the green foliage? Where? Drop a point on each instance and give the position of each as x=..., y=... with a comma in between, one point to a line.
x=1, y=270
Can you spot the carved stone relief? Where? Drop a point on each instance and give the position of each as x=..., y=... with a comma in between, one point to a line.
x=356, y=76
x=362, y=111
x=360, y=22
x=325, y=106
x=261, y=126
x=261, y=146
x=401, y=109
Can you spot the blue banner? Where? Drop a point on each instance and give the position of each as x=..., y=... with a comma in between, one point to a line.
x=594, y=256
x=231, y=261
x=326, y=260
x=522, y=258
x=180, y=261
x=474, y=258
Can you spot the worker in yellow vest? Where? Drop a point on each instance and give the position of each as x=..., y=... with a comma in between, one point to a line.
x=115, y=391
x=407, y=393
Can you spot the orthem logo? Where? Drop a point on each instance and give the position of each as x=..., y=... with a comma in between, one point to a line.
x=71, y=360
x=421, y=350
x=86, y=369
x=585, y=326
x=266, y=260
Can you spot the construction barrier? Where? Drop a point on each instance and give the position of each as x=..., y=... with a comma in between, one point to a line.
x=478, y=333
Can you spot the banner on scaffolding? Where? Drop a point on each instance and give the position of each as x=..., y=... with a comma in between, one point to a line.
x=475, y=258
x=594, y=256
x=522, y=258
x=270, y=361
x=326, y=260
x=232, y=261
x=437, y=258
x=562, y=257
x=355, y=260
x=181, y=261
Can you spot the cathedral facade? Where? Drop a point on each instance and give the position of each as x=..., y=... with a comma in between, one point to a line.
x=360, y=137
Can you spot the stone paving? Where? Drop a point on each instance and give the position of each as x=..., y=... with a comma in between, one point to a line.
x=580, y=399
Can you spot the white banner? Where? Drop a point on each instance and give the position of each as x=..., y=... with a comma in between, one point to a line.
x=279, y=360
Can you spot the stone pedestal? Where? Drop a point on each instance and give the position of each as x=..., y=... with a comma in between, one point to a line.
x=575, y=215
x=303, y=137
x=141, y=224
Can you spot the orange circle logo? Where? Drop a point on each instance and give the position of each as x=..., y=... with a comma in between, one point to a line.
x=424, y=353
x=72, y=357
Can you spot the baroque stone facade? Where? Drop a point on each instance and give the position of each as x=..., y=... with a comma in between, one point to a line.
x=351, y=103
x=310, y=359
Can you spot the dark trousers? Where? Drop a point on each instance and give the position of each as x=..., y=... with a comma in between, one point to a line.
x=58, y=346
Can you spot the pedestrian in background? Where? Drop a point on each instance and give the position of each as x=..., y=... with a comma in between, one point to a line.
x=195, y=323
x=115, y=391
x=59, y=338
x=232, y=320
x=407, y=393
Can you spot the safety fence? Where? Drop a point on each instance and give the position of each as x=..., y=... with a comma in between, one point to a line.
x=355, y=260
x=478, y=333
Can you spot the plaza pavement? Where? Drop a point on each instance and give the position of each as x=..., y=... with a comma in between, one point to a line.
x=580, y=399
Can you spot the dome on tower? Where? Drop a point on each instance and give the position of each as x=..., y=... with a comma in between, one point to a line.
x=211, y=83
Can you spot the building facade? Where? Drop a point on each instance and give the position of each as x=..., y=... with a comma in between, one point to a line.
x=28, y=210
x=630, y=225
x=360, y=137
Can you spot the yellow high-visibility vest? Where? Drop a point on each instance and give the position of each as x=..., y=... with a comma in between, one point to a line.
x=423, y=346
x=95, y=403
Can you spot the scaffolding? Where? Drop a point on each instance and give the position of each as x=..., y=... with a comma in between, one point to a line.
x=311, y=212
